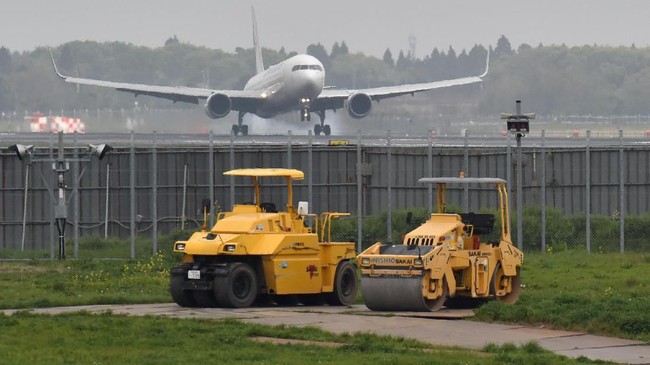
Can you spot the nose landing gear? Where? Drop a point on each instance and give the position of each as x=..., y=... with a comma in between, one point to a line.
x=322, y=127
x=305, y=115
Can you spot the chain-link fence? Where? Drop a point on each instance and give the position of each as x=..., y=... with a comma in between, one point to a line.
x=579, y=193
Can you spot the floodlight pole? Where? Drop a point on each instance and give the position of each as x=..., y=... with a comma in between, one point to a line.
x=60, y=166
x=519, y=189
x=517, y=124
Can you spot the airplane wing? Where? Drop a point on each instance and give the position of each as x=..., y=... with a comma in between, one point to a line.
x=335, y=98
x=241, y=100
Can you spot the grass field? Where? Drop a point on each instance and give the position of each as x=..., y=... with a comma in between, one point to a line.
x=607, y=294
x=82, y=338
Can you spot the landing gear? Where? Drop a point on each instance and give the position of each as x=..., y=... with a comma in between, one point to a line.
x=239, y=127
x=322, y=127
x=305, y=115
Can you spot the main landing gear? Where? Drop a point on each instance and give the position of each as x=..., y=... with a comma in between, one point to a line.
x=322, y=127
x=239, y=127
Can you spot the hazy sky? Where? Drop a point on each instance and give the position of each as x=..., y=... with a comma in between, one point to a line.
x=366, y=26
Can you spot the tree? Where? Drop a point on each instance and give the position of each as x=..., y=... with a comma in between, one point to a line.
x=524, y=47
x=344, y=48
x=401, y=61
x=66, y=60
x=388, y=58
x=451, y=63
x=5, y=95
x=335, y=50
x=6, y=64
x=318, y=51
x=503, y=47
x=172, y=41
x=339, y=50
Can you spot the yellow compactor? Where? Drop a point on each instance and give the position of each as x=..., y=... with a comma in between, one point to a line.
x=444, y=261
x=256, y=251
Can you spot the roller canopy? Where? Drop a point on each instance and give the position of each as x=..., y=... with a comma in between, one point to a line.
x=458, y=180
x=260, y=172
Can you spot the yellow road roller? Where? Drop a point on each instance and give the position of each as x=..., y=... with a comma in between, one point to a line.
x=445, y=261
x=259, y=253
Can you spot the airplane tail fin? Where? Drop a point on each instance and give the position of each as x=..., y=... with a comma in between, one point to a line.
x=259, y=63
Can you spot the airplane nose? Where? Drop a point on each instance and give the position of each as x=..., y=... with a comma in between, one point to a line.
x=315, y=84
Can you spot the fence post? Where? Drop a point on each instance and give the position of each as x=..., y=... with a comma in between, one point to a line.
x=51, y=156
x=289, y=149
x=154, y=192
x=543, y=194
x=359, y=196
x=75, y=197
x=588, y=194
x=211, y=179
x=509, y=172
x=25, y=195
x=232, y=167
x=430, y=172
x=465, y=172
x=184, y=201
x=106, y=200
x=520, y=198
x=310, y=170
x=389, y=177
x=132, y=193
x=621, y=182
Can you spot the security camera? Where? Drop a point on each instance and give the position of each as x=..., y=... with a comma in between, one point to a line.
x=22, y=151
x=100, y=150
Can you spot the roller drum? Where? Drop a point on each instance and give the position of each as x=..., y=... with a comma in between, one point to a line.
x=395, y=293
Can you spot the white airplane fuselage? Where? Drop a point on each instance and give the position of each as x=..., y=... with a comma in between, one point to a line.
x=289, y=85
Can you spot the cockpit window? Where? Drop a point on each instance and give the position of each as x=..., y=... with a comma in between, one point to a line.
x=307, y=67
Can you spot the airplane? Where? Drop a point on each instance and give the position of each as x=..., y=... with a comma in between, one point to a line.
x=296, y=83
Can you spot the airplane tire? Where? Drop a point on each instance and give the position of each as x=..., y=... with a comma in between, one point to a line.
x=317, y=129
x=327, y=130
x=235, y=129
x=244, y=130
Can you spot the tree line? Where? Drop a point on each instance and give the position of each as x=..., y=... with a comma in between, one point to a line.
x=556, y=79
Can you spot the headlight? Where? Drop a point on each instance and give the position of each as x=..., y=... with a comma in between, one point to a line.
x=417, y=262
x=365, y=261
x=179, y=247
x=229, y=248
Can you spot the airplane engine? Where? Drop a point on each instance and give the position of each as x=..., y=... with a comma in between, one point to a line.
x=217, y=106
x=359, y=105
